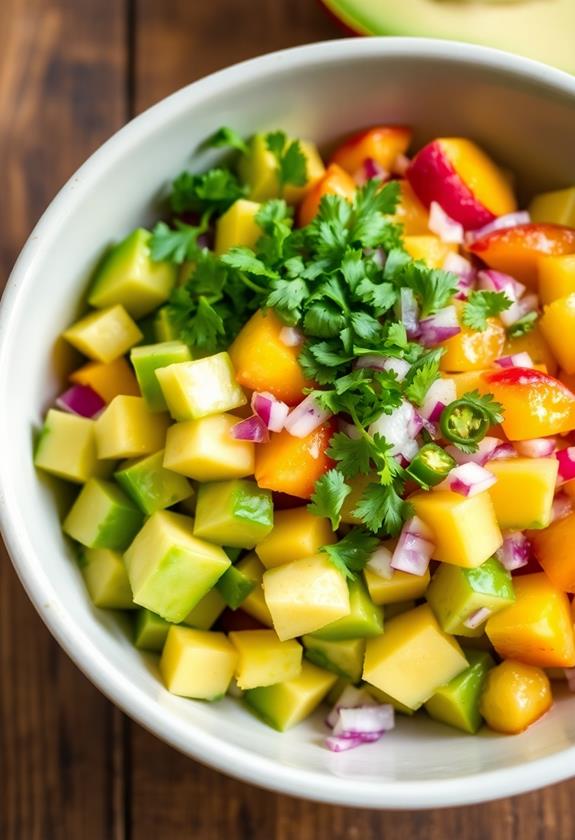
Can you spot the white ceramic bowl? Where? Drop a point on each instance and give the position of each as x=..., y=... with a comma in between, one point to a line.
x=522, y=112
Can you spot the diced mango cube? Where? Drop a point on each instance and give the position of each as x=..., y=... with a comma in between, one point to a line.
x=108, y=380
x=401, y=586
x=106, y=579
x=557, y=207
x=207, y=611
x=464, y=527
x=305, y=595
x=263, y=659
x=524, y=491
x=428, y=248
x=558, y=326
x=126, y=429
x=66, y=447
x=148, y=359
x=200, y=388
x=296, y=534
x=206, y=450
x=104, y=335
x=556, y=276
x=238, y=227
x=536, y=345
x=537, y=629
x=255, y=603
x=515, y=696
x=197, y=663
x=472, y=350
x=554, y=548
x=468, y=380
x=103, y=517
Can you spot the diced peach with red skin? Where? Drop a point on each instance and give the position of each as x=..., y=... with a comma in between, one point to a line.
x=382, y=144
x=460, y=177
x=516, y=250
x=534, y=403
x=553, y=548
x=336, y=181
x=292, y=465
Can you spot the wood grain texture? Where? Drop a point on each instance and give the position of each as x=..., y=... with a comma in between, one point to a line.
x=72, y=71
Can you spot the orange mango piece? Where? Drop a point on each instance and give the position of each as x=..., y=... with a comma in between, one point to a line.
x=554, y=548
x=382, y=144
x=471, y=350
x=568, y=379
x=537, y=629
x=336, y=181
x=558, y=327
x=515, y=696
x=428, y=248
x=263, y=362
x=292, y=465
x=536, y=345
x=556, y=277
x=108, y=380
x=410, y=212
x=466, y=381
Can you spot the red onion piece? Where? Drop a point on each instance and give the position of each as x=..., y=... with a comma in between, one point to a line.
x=339, y=744
x=466, y=274
x=486, y=447
x=443, y=225
x=442, y=391
x=515, y=551
x=399, y=366
x=409, y=312
x=562, y=507
x=470, y=479
x=502, y=452
x=477, y=618
x=252, y=429
x=439, y=327
x=516, y=360
x=380, y=562
x=490, y=280
x=291, y=337
x=409, y=450
x=306, y=417
x=414, y=548
x=566, y=458
x=536, y=447
x=518, y=310
x=81, y=400
x=394, y=427
x=521, y=217
x=349, y=429
x=350, y=698
x=370, y=170
x=270, y=410
x=364, y=720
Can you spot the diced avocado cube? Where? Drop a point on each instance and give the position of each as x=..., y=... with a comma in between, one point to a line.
x=305, y=595
x=149, y=358
x=103, y=517
x=523, y=493
x=200, y=388
x=259, y=170
x=455, y=594
x=233, y=553
x=150, y=631
x=296, y=534
x=197, y=663
x=207, y=611
x=343, y=658
x=384, y=698
x=234, y=586
x=126, y=429
x=457, y=703
x=130, y=277
x=413, y=658
x=206, y=450
x=238, y=227
x=151, y=485
x=401, y=586
x=146, y=327
x=235, y=513
x=109, y=380
x=106, y=578
x=170, y=569
x=66, y=447
x=104, y=335
x=391, y=610
x=286, y=704
x=255, y=603
x=364, y=621
x=263, y=659
x=164, y=326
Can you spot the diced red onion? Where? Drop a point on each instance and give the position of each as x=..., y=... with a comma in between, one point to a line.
x=477, y=618
x=490, y=280
x=349, y=429
x=503, y=452
x=252, y=429
x=371, y=361
x=380, y=562
x=566, y=458
x=515, y=551
x=570, y=677
x=536, y=447
x=443, y=225
x=291, y=337
x=399, y=366
x=518, y=310
x=485, y=449
x=306, y=417
x=370, y=170
x=81, y=400
x=470, y=479
x=409, y=450
x=521, y=217
x=364, y=720
x=516, y=360
x=466, y=274
x=350, y=698
x=415, y=424
x=442, y=391
x=400, y=165
x=409, y=312
x=436, y=412
x=394, y=427
x=439, y=327
x=270, y=410
x=414, y=548
x=562, y=507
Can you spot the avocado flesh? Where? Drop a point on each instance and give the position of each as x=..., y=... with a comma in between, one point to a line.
x=364, y=620
x=150, y=485
x=507, y=26
x=344, y=658
x=457, y=703
x=234, y=586
x=151, y=631
x=236, y=513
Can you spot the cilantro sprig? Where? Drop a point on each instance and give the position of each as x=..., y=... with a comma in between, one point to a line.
x=290, y=159
x=483, y=305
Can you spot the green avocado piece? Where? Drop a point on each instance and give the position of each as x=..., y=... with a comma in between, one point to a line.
x=365, y=619
x=106, y=578
x=234, y=513
x=384, y=697
x=152, y=486
x=146, y=327
x=457, y=703
x=455, y=593
x=234, y=586
x=130, y=277
x=149, y=358
x=66, y=448
x=494, y=23
x=150, y=631
x=344, y=658
x=206, y=612
x=164, y=326
x=103, y=517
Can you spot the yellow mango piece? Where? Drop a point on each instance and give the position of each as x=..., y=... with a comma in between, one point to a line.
x=538, y=628
x=469, y=380
x=108, y=380
x=428, y=248
x=305, y=595
x=515, y=696
x=197, y=663
x=410, y=212
x=104, y=335
x=259, y=170
x=206, y=612
x=523, y=494
x=557, y=207
x=472, y=350
x=536, y=345
x=205, y=449
x=238, y=227
x=296, y=534
x=255, y=603
x=558, y=326
x=66, y=447
x=200, y=388
x=465, y=530
x=106, y=579
x=126, y=429
x=263, y=659
x=556, y=276
x=401, y=586
x=413, y=658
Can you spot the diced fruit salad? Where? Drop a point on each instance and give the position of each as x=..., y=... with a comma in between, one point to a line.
x=324, y=435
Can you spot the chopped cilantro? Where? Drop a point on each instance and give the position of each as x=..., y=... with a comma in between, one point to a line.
x=483, y=305
x=329, y=494
x=351, y=553
x=290, y=159
x=227, y=137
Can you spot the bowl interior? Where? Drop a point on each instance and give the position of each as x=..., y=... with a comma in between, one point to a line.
x=523, y=114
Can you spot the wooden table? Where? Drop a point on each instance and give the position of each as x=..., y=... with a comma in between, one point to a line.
x=72, y=767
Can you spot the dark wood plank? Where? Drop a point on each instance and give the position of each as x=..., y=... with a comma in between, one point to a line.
x=62, y=92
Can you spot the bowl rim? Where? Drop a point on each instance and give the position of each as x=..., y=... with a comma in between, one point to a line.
x=203, y=746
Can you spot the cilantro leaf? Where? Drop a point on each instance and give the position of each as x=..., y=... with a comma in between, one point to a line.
x=487, y=404
x=287, y=297
x=433, y=287
x=420, y=380
x=523, y=325
x=177, y=245
x=353, y=456
x=214, y=191
x=245, y=260
x=323, y=320
x=275, y=219
x=329, y=494
x=227, y=137
x=381, y=296
x=483, y=305
x=382, y=508
x=290, y=159
x=351, y=553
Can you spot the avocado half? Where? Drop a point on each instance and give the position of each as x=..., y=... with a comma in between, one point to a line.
x=540, y=29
